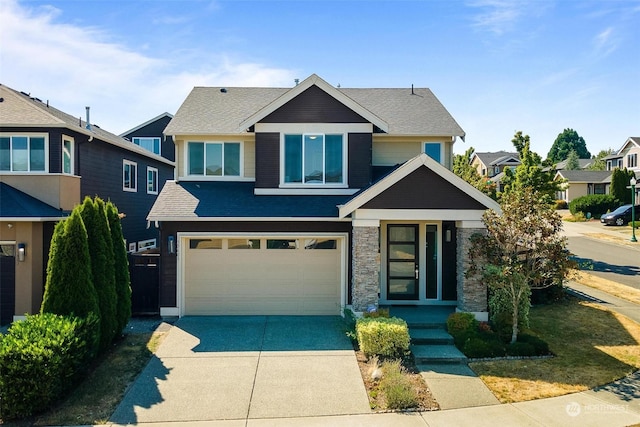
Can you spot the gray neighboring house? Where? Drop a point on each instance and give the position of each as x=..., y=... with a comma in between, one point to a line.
x=309, y=199
x=582, y=182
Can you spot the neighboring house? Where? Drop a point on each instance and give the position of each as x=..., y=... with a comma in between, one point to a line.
x=494, y=163
x=149, y=135
x=49, y=161
x=560, y=166
x=308, y=199
x=580, y=183
x=584, y=182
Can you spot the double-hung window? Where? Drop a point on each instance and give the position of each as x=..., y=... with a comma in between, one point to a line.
x=67, y=155
x=23, y=153
x=632, y=160
x=129, y=176
x=213, y=158
x=148, y=143
x=314, y=159
x=152, y=180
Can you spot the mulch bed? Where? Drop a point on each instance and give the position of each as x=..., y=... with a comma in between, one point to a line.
x=426, y=401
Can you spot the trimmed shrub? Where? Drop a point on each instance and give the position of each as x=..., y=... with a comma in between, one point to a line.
x=540, y=347
x=40, y=358
x=101, y=268
x=397, y=388
x=477, y=347
x=561, y=204
x=121, y=267
x=383, y=336
x=595, y=204
x=458, y=323
x=69, y=286
x=520, y=349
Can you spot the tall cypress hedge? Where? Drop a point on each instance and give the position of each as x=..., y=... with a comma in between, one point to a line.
x=69, y=288
x=101, y=268
x=123, y=281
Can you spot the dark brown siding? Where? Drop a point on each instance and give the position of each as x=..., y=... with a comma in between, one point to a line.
x=168, y=272
x=423, y=189
x=359, y=159
x=449, y=263
x=267, y=160
x=314, y=106
x=155, y=129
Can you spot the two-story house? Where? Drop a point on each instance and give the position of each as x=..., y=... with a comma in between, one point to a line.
x=308, y=199
x=49, y=161
x=626, y=156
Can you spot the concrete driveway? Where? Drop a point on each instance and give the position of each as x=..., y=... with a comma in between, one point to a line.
x=247, y=367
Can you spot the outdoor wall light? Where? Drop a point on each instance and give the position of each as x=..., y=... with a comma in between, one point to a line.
x=171, y=245
x=447, y=235
x=22, y=251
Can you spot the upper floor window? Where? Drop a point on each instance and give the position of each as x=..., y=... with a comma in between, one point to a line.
x=632, y=160
x=314, y=159
x=433, y=150
x=67, y=155
x=152, y=180
x=148, y=143
x=23, y=153
x=213, y=158
x=129, y=176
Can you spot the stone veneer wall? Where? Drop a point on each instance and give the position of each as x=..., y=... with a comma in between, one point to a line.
x=366, y=265
x=472, y=294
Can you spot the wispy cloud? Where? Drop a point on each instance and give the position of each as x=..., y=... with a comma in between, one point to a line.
x=503, y=16
x=73, y=66
x=605, y=42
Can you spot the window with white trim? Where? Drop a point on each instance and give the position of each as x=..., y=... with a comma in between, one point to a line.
x=433, y=150
x=632, y=160
x=148, y=143
x=67, y=155
x=129, y=176
x=23, y=153
x=314, y=159
x=146, y=244
x=152, y=180
x=213, y=158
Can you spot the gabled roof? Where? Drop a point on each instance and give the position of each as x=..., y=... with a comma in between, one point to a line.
x=582, y=164
x=19, y=206
x=231, y=110
x=19, y=109
x=148, y=122
x=403, y=171
x=497, y=158
x=632, y=140
x=584, y=176
x=202, y=201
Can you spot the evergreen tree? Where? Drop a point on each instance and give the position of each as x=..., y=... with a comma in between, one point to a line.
x=529, y=173
x=573, y=163
x=101, y=268
x=123, y=282
x=565, y=142
x=69, y=285
x=619, y=183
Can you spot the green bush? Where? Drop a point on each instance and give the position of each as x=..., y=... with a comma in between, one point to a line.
x=40, y=358
x=397, y=388
x=458, y=323
x=520, y=349
x=383, y=336
x=595, y=204
x=561, y=204
x=540, y=347
x=380, y=312
x=477, y=347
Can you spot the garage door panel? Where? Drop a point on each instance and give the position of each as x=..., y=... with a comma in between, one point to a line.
x=262, y=281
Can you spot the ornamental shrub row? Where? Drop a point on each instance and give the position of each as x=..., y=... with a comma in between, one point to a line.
x=595, y=204
x=383, y=336
x=40, y=358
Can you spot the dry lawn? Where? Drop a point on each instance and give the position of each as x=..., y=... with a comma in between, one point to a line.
x=616, y=289
x=592, y=346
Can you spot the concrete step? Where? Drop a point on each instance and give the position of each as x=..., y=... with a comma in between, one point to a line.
x=437, y=354
x=418, y=324
x=430, y=336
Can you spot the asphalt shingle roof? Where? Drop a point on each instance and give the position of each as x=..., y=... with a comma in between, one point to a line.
x=191, y=200
x=16, y=204
x=584, y=175
x=217, y=110
x=493, y=158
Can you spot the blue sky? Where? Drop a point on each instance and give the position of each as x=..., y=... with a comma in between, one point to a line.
x=498, y=66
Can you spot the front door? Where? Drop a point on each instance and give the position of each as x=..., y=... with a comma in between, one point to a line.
x=402, y=262
x=7, y=283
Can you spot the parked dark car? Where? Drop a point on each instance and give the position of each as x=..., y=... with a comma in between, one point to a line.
x=620, y=216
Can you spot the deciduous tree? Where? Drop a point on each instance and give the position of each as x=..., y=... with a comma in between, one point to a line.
x=462, y=167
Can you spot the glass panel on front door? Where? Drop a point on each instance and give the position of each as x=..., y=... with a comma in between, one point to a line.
x=402, y=262
x=432, y=261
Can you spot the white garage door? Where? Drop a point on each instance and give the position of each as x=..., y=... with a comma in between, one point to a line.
x=293, y=276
